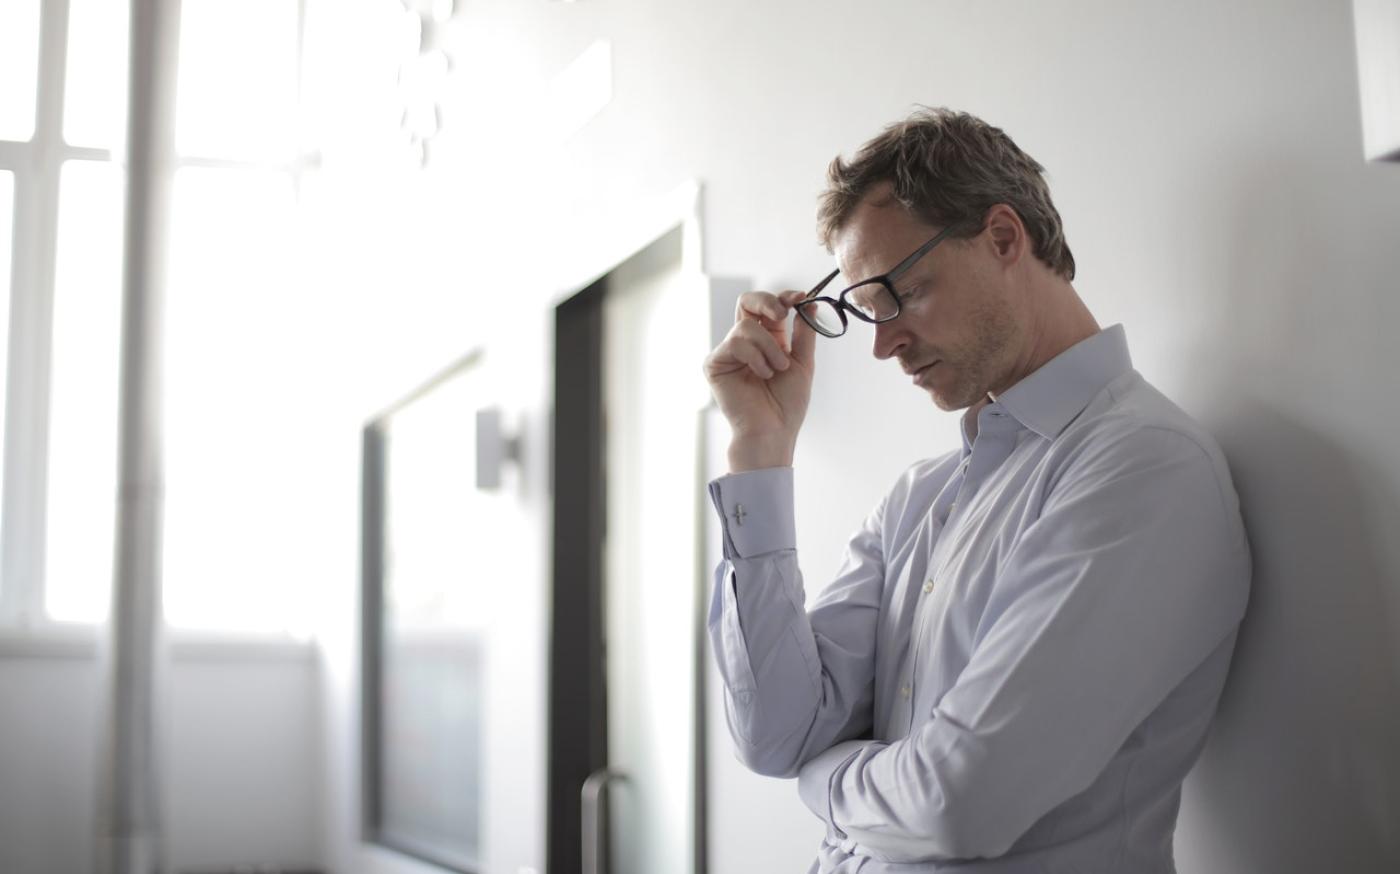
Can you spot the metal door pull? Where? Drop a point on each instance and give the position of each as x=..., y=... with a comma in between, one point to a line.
x=595, y=819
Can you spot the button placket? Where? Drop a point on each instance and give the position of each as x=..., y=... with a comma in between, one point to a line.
x=902, y=713
x=954, y=484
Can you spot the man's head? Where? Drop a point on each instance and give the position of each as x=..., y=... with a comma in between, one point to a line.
x=942, y=166
x=983, y=304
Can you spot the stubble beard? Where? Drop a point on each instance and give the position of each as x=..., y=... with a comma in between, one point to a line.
x=983, y=363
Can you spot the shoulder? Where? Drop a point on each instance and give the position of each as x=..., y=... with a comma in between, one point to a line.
x=1132, y=429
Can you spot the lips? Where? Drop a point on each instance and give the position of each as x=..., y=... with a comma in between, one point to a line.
x=919, y=374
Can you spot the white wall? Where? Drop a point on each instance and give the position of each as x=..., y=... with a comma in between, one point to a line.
x=1206, y=158
x=48, y=763
x=242, y=782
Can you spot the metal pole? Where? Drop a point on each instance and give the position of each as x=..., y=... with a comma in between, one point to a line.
x=129, y=822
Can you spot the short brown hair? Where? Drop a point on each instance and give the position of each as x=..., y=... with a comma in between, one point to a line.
x=945, y=166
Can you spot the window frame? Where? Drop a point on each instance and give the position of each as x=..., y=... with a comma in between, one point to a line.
x=37, y=165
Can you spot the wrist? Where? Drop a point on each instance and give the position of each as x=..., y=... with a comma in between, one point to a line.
x=758, y=452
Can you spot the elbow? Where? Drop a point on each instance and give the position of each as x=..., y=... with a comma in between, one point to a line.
x=771, y=737
x=767, y=763
x=761, y=751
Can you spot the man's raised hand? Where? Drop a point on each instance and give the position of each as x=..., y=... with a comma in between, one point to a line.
x=762, y=379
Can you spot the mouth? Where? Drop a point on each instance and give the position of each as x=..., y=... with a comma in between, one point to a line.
x=919, y=374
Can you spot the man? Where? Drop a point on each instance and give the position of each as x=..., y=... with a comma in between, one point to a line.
x=1018, y=661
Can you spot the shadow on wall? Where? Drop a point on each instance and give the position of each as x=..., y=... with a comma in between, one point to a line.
x=1301, y=773
x=1302, y=770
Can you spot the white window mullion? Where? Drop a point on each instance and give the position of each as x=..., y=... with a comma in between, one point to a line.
x=14, y=156
x=12, y=596
x=82, y=153
x=31, y=314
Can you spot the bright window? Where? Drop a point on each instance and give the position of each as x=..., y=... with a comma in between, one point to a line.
x=94, y=110
x=82, y=469
x=235, y=517
x=60, y=238
x=236, y=496
x=237, y=86
x=19, y=67
x=239, y=509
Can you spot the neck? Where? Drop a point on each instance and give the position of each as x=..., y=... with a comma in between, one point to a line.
x=1059, y=323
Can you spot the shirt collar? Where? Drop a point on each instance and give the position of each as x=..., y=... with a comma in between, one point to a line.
x=1051, y=397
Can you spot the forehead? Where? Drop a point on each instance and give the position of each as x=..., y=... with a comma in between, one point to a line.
x=879, y=234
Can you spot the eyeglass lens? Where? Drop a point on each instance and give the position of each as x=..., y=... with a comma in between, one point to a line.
x=824, y=317
x=873, y=300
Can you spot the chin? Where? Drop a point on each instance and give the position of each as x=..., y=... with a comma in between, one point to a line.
x=958, y=396
x=942, y=404
x=941, y=401
x=952, y=404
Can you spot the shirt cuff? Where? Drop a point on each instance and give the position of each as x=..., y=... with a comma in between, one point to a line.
x=755, y=511
x=814, y=782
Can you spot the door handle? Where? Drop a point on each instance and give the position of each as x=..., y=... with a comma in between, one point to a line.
x=595, y=819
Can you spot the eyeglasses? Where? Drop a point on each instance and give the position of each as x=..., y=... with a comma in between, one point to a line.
x=871, y=300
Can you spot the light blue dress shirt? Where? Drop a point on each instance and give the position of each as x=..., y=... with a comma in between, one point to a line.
x=1018, y=661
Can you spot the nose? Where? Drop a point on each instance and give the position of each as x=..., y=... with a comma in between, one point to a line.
x=889, y=339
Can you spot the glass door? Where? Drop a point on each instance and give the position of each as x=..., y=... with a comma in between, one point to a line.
x=654, y=330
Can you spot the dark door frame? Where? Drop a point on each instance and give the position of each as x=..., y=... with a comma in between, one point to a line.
x=577, y=714
x=578, y=703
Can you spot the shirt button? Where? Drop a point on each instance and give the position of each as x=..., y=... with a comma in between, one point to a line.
x=951, y=507
x=928, y=586
x=904, y=691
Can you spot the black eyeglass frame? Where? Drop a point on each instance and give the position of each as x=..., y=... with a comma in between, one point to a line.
x=885, y=279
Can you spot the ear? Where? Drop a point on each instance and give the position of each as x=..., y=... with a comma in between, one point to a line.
x=1007, y=234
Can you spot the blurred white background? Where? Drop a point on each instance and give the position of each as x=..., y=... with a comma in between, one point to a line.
x=340, y=231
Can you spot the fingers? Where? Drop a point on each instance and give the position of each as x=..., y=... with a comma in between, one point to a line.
x=759, y=338
x=759, y=347
x=750, y=355
x=749, y=346
x=763, y=306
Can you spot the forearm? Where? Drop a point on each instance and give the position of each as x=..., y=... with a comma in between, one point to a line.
x=795, y=682
x=897, y=803
x=772, y=688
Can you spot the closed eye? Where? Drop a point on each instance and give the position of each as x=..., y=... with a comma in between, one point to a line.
x=911, y=292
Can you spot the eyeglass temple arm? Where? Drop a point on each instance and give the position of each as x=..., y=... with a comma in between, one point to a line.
x=922, y=250
x=816, y=289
